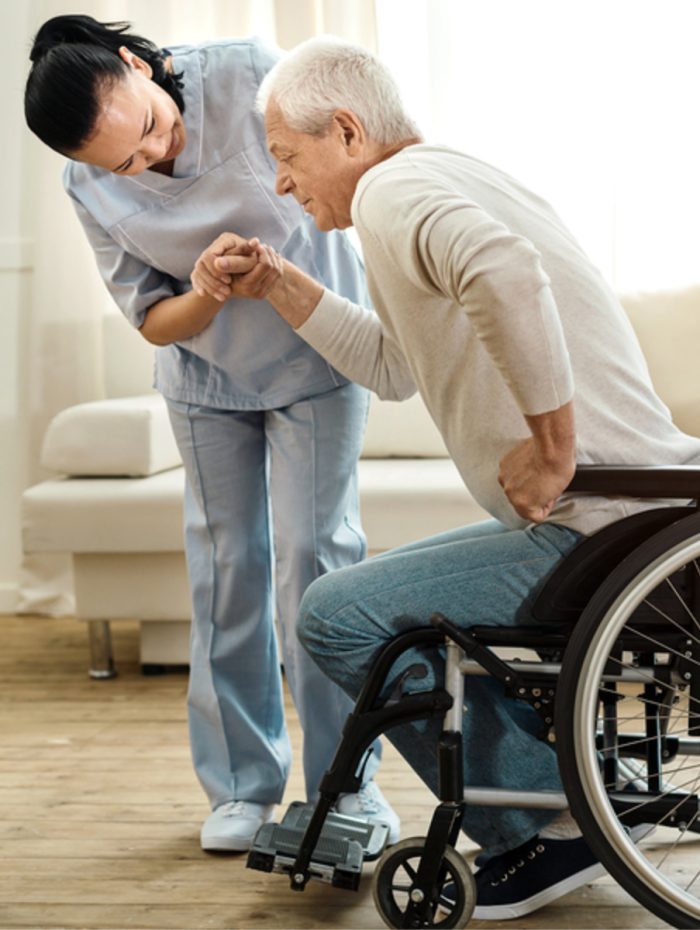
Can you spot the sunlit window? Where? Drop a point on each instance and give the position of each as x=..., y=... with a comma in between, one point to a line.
x=594, y=104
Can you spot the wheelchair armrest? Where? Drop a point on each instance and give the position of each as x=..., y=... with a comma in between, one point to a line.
x=668, y=481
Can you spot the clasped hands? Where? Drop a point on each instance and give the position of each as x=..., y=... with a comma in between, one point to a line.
x=236, y=267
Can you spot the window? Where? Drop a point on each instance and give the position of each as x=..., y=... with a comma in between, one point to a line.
x=594, y=105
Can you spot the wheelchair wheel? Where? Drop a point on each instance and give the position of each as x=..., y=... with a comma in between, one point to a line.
x=394, y=883
x=627, y=723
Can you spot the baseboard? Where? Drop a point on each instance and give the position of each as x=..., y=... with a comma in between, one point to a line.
x=9, y=594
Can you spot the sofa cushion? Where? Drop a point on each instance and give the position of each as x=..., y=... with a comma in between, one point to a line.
x=667, y=324
x=403, y=500
x=121, y=436
x=105, y=514
x=401, y=429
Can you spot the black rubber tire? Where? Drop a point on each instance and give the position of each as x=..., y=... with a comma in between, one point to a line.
x=577, y=691
x=455, y=870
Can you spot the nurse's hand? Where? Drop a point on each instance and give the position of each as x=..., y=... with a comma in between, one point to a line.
x=207, y=279
x=258, y=282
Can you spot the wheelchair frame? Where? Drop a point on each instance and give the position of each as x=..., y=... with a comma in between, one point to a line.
x=664, y=658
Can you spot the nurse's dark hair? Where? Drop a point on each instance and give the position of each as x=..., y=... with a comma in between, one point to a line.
x=74, y=58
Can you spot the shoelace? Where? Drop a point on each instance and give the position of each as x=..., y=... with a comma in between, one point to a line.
x=235, y=808
x=525, y=859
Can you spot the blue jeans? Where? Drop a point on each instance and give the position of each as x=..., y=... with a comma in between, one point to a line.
x=479, y=574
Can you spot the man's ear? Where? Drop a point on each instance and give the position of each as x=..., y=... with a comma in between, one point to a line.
x=350, y=130
x=133, y=61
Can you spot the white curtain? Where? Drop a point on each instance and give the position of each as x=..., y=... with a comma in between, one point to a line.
x=592, y=103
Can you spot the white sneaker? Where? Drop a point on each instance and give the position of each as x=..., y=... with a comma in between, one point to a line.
x=370, y=804
x=232, y=827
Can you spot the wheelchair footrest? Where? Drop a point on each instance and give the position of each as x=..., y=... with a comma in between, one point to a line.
x=344, y=843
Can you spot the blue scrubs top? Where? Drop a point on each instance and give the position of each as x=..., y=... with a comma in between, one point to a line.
x=148, y=230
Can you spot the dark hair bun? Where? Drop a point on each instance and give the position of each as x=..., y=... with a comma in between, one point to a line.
x=73, y=30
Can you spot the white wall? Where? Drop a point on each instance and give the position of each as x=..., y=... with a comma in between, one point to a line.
x=42, y=312
x=40, y=329
x=16, y=258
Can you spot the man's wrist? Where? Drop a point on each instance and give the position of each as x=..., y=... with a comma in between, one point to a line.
x=554, y=435
x=295, y=295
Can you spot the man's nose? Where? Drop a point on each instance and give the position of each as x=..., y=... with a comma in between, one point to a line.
x=283, y=183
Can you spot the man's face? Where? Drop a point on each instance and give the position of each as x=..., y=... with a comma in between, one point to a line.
x=319, y=172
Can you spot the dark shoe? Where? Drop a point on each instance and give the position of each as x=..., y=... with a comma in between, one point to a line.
x=526, y=878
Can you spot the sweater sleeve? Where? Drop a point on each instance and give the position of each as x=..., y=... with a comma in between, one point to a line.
x=352, y=339
x=449, y=246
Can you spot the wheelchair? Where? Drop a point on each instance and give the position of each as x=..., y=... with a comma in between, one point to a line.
x=613, y=671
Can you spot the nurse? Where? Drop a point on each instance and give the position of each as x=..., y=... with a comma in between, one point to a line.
x=166, y=153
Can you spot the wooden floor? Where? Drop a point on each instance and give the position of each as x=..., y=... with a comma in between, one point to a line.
x=100, y=810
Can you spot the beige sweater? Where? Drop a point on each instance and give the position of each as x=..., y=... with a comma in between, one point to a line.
x=487, y=305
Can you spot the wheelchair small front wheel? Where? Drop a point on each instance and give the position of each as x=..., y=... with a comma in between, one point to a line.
x=395, y=885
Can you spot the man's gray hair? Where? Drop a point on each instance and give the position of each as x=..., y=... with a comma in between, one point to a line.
x=326, y=74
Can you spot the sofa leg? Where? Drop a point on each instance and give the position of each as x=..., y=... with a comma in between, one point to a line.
x=101, y=657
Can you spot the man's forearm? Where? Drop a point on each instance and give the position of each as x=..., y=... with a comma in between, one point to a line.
x=295, y=295
x=554, y=434
x=176, y=318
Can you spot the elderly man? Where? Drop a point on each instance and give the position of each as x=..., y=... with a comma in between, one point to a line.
x=485, y=304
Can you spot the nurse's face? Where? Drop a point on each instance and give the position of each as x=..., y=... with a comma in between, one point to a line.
x=139, y=125
x=320, y=172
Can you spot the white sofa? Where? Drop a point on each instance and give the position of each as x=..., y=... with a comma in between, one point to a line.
x=115, y=504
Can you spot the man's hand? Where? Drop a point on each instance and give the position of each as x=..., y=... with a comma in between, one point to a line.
x=208, y=280
x=237, y=267
x=536, y=472
x=254, y=281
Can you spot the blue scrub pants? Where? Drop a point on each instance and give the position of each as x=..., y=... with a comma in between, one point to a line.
x=302, y=461
x=483, y=573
